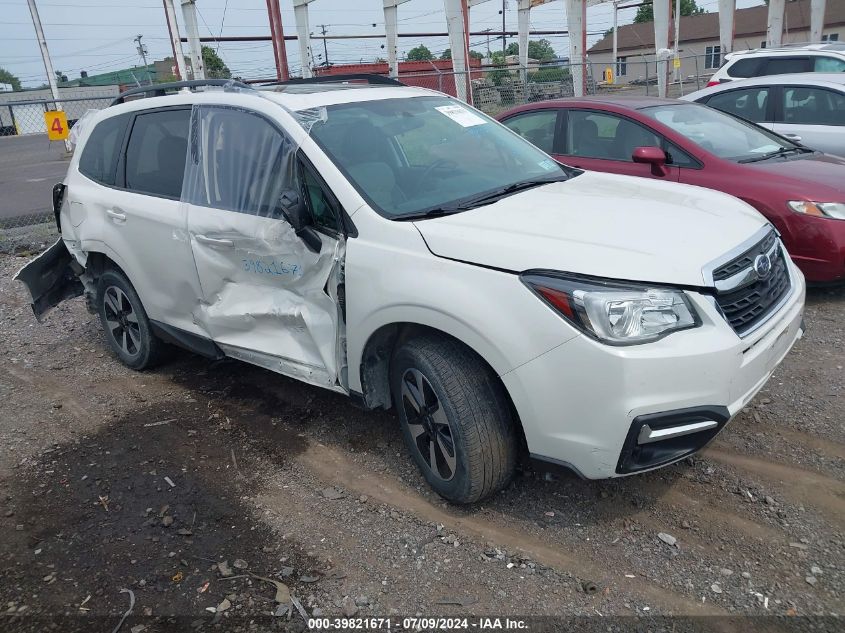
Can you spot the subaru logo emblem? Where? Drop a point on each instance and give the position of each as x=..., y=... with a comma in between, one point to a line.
x=762, y=265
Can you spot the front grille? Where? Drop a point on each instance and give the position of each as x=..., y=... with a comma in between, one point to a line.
x=746, y=260
x=752, y=302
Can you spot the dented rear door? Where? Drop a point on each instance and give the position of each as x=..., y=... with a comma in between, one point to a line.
x=264, y=292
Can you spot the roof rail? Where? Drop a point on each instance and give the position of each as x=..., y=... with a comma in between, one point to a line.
x=376, y=80
x=159, y=90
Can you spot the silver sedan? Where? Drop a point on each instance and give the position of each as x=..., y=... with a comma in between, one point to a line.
x=806, y=108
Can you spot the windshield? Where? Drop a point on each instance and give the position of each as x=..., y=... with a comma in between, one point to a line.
x=718, y=133
x=408, y=156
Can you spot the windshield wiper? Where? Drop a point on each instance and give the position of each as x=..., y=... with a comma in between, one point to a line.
x=781, y=151
x=497, y=194
x=437, y=212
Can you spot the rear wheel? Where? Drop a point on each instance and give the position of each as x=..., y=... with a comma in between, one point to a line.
x=125, y=322
x=455, y=418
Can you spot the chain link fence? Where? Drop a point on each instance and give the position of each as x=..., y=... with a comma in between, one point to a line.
x=27, y=222
x=32, y=164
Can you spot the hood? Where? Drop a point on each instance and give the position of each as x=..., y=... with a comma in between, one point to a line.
x=820, y=177
x=600, y=224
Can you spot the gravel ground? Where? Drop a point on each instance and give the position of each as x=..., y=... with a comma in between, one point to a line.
x=201, y=485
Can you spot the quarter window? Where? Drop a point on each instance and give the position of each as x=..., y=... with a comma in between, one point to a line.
x=536, y=127
x=750, y=104
x=813, y=106
x=155, y=155
x=828, y=65
x=712, y=56
x=239, y=162
x=323, y=207
x=100, y=154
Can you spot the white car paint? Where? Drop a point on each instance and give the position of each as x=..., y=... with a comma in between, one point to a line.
x=575, y=397
x=824, y=138
x=830, y=53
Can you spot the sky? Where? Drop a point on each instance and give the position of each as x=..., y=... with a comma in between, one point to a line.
x=97, y=35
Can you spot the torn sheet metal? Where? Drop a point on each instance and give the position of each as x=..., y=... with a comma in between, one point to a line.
x=264, y=292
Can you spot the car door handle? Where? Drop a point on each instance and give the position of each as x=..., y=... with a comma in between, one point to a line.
x=213, y=241
x=116, y=215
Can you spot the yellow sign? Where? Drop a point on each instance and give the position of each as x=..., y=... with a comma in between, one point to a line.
x=57, y=128
x=676, y=63
x=608, y=75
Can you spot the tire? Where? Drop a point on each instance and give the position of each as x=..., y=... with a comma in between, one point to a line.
x=466, y=410
x=125, y=322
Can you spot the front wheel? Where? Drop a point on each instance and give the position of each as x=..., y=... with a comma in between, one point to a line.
x=125, y=321
x=455, y=418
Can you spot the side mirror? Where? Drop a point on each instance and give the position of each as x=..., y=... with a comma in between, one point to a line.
x=297, y=215
x=654, y=156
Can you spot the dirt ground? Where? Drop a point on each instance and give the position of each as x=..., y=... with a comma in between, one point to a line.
x=198, y=484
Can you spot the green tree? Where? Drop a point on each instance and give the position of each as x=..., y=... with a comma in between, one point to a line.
x=541, y=50
x=419, y=54
x=645, y=13
x=214, y=66
x=447, y=54
x=8, y=78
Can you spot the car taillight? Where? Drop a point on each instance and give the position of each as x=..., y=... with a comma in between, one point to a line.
x=713, y=83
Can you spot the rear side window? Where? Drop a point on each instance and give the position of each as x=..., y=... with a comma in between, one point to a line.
x=750, y=103
x=787, y=65
x=813, y=106
x=99, y=156
x=746, y=67
x=155, y=156
x=536, y=127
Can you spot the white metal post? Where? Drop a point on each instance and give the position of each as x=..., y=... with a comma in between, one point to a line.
x=774, y=29
x=615, y=65
x=727, y=11
x=817, y=8
x=189, y=13
x=523, y=23
x=391, y=30
x=45, y=55
x=677, y=56
x=303, y=32
x=576, y=17
x=175, y=39
x=661, y=43
x=457, y=44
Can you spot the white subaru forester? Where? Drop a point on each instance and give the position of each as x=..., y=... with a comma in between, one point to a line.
x=394, y=244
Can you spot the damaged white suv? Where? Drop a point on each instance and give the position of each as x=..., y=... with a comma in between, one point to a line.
x=395, y=245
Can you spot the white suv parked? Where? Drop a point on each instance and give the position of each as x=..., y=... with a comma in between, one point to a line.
x=394, y=244
x=760, y=62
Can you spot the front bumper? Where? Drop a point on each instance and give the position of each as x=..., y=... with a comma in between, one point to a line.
x=581, y=402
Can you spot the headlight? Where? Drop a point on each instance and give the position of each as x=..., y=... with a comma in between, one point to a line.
x=822, y=209
x=616, y=313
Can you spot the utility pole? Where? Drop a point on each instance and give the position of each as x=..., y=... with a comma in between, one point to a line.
x=325, y=45
x=488, y=41
x=45, y=55
x=504, y=37
x=615, y=40
x=677, y=63
x=142, y=51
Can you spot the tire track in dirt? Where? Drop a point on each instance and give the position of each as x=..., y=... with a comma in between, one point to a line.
x=332, y=467
x=55, y=391
x=801, y=485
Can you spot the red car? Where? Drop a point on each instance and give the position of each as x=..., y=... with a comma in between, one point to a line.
x=800, y=191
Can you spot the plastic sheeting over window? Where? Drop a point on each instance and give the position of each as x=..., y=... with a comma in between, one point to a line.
x=239, y=162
